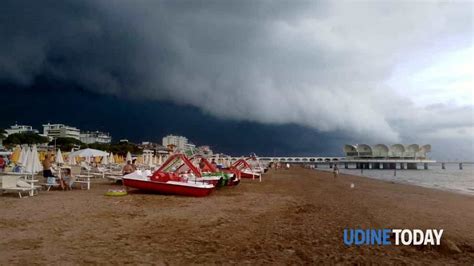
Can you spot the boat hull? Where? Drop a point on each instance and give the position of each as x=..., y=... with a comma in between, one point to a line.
x=249, y=175
x=167, y=188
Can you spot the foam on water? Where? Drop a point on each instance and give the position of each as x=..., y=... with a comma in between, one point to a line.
x=451, y=179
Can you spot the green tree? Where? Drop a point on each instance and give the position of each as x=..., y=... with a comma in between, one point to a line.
x=123, y=148
x=3, y=134
x=66, y=144
x=25, y=138
x=100, y=146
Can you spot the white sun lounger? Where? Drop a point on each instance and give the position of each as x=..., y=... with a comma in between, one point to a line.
x=9, y=184
x=114, y=178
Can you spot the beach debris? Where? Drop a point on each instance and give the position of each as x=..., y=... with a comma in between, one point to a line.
x=449, y=247
x=352, y=185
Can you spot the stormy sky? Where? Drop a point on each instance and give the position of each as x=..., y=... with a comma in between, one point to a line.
x=265, y=74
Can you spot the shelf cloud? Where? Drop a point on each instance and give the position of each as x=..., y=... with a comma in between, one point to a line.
x=322, y=65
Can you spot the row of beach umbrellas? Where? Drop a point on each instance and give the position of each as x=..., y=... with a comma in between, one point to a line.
x=20, y=157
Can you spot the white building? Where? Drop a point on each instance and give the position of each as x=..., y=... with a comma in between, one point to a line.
x=178, y=142
x=413, y=151
x=61, y=131
x=20, y=129
x=95, y=137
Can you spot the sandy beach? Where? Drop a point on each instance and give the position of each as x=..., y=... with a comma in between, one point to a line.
x=294, y=216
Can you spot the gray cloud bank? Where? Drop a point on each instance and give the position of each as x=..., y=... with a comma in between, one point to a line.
x=318, y=64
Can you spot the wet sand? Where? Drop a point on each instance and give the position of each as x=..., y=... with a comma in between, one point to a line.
x=293, y=217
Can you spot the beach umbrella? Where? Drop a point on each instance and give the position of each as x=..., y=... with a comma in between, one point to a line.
x=111, y=158
x=33, y=164
x=129, y=157
x=37, y=161
x=59, y=157
x=22, y=156
x=26, y=153
x=71, y=159
x=150, y=160
x=105, y=160
x=87, y=153
x=15, y=154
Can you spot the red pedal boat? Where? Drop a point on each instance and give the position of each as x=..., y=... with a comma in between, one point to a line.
x=245, y=169
x=166, y=182
x=209, y=170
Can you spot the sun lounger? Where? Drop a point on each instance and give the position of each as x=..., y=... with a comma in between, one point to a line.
x=81, y=179
x=10, y=184
x=114, y=178
x=49, y=185
x=84, y=180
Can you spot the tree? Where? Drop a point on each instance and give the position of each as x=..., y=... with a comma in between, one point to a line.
x=99, y=146
x=66, y=144
x=124, y=147
x=25, y=138
x=3, y=134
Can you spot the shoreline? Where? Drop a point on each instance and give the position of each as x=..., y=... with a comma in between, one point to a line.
x=417, y=184
x=293, y=216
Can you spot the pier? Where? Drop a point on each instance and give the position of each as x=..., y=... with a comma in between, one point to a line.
x=351, y=163
x=379, y=156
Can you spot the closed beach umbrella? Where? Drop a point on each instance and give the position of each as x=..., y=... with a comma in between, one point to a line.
x=59, y=157
x=150, y=160
x=111, y=158
x=38, y=165
x=22, y=153
x=33, y=164
x=71, y=159
x=29, y=164
x=129, y=157
x=16, y=154
x=24, y=158
x=105, y=160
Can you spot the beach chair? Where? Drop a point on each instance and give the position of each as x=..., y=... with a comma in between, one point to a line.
x=10, y=184
x=80, y=179
x=49, y=183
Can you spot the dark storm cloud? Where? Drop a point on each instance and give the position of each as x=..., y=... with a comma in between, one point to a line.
x=316, y=64
x=151, y=120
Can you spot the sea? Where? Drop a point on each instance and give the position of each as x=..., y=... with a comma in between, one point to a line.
x=450, y=179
